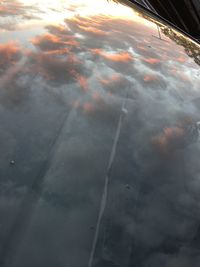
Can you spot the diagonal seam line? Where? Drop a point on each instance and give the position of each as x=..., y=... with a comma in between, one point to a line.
x=105, y=189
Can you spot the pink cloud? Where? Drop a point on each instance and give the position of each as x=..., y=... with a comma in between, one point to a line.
x=152, y=61
x=124, y=57
x=149, y=78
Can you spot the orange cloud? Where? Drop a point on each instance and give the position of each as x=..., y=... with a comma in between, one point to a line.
x=56, y=68
x=88, y=107
x=58, y=29
x=112, y=78
x=171, y=138
x=152, y=61
x=47, y=37
x=86, y=22
x=82, y=80
x=9, y=53
x=10, y=8
x=116, y=78
x=180, y=75
x=149, y=78
x=181, y=59
x=93, y=30
x=142, y=48
x=123, y=57
x=116, y=57
x=104, y=82
x=57, y=52
x=53, y=42
x=70, y=42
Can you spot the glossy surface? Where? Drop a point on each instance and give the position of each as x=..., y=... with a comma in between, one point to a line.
x=99, y=138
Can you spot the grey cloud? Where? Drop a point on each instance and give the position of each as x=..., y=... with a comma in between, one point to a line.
x=55, y=69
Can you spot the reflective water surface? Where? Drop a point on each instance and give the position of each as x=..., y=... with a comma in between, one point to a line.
x=99, y=137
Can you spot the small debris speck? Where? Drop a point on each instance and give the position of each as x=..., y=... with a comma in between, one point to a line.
x=128, y=186
x=125, y=111
x=12, y=162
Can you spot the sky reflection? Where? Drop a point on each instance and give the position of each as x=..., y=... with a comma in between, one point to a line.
x=74, y=76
